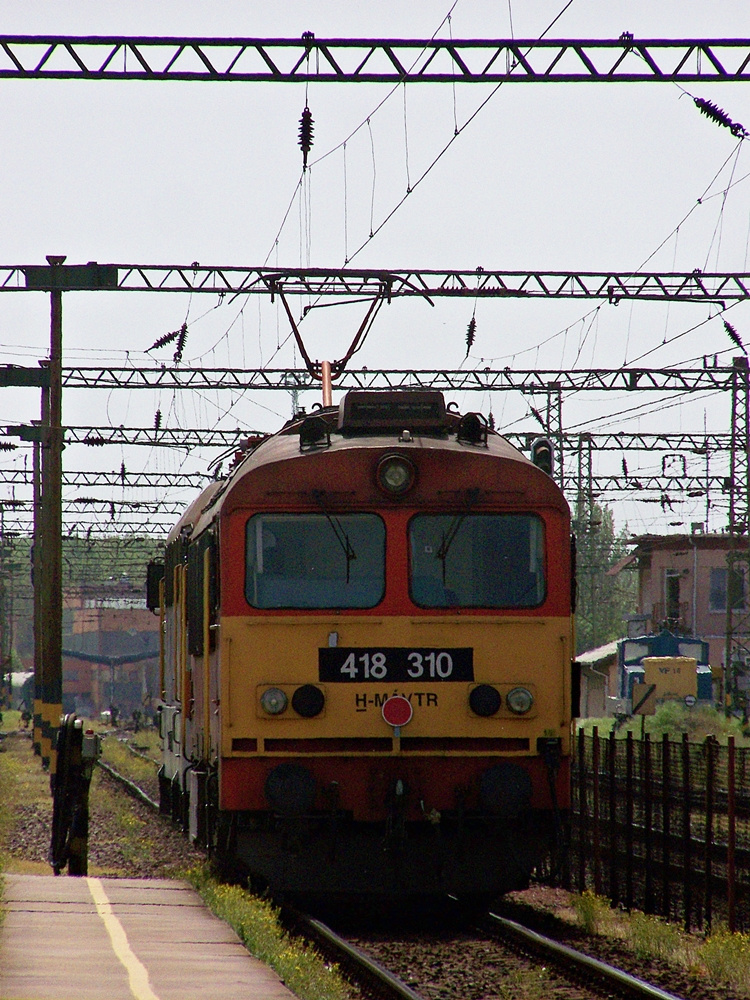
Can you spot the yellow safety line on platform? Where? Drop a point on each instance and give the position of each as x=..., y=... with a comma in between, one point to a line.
x=137, y=973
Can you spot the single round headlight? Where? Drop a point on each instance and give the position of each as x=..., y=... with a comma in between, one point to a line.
x=273, y=701
x=484, y=700
x=308, y=701
x=519, y=700
x=395, y=475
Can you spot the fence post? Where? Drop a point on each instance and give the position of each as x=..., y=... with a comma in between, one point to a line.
x=687, y=873
x=731, y=835
x=582, y=811
x=596, y=827
x=614, y=889
x=629, y=821
x=707, y=858
x=666, y=831
x=648, y=902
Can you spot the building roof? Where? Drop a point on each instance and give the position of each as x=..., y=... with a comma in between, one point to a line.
x=600, y=655
x=715, y=540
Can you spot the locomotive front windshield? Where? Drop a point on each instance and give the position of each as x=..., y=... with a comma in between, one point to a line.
x=477, y=560
x=315, y=560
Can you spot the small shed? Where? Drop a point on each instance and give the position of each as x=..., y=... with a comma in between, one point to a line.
x=598, y=679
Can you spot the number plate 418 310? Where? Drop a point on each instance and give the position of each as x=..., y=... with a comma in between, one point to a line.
x=395, y=663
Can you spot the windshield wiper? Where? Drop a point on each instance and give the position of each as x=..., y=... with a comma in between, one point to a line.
x=449, y=536
x=338, y=529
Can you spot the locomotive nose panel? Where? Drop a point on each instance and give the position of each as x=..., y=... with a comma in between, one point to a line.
x=290, y=789
x=505, y=790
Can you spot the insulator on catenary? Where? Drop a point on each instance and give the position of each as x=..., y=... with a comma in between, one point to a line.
x=734, y=336
x=718, y=115
x=157, y=420
x=123, y=474
x=181, y=337
x=163, y=341
x=305, y=134
x=624, y=466
x=537, y=415
x=471, y=331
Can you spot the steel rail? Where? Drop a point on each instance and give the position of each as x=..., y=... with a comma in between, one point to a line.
x=622, y=982
x=130, y=786
x=373, y=60
x=365, y=968
x=612, y=286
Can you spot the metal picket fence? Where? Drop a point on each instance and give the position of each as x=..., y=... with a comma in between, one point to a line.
x=663, y=826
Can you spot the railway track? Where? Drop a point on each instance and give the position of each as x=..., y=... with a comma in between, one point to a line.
x=499, y=957
x=606, y=979
x=586, y=977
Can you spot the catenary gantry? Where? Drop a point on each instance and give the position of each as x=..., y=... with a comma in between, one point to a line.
x=479, y=282
x=374, y=60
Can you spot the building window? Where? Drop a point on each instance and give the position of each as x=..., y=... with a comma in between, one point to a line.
x=717, y=600
x=672, y=595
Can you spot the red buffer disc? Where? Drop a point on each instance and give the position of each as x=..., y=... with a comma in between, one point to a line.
x=397, y=711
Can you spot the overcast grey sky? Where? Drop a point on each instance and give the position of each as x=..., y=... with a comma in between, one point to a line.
x=547, y=176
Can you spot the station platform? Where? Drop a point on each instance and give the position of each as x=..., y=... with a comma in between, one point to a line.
x=122, y=939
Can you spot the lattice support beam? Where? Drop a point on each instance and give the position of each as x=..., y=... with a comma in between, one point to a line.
x=611, y=286
x=379, y=60
x=457, y=379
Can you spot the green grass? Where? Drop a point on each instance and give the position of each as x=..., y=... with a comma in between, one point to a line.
x=722, y=959
x=256, y=923
x=115, y=753
x=652, y=937
x=727, y=958
x=8, y=783
x=674, y=719
x=593, y=912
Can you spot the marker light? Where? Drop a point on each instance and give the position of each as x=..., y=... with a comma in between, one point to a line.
x=395, y=475
x=273, y=701
x=519, y=700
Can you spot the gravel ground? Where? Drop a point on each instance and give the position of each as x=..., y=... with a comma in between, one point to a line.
x=450, y=965
x=467, y=967
x=126, y=838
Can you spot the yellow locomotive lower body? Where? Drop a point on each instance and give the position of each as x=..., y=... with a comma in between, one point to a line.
x=343, y=801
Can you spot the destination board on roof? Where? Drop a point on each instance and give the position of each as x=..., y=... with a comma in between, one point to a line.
x=420, y=410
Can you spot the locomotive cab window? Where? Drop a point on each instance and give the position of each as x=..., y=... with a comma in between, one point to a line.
x=315, y=560
x=477, y=560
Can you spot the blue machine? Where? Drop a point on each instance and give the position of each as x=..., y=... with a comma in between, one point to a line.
x=632, y=652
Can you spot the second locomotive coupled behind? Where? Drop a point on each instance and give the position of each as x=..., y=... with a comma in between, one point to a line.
x=366, y=655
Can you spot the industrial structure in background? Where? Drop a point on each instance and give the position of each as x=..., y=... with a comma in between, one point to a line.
x=306, y=59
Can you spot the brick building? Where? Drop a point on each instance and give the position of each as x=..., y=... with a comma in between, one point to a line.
x=684, y=585
x=110, y=654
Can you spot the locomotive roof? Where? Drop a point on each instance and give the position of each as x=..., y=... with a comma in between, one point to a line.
x=443, y=434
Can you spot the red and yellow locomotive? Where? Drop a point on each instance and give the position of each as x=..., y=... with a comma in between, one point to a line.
x=366, y=657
